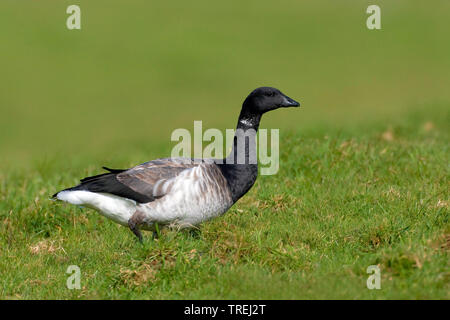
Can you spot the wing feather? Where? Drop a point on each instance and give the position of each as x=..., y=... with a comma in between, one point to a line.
x=148, y=178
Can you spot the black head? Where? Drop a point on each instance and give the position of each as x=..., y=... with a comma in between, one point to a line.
x=266, y=99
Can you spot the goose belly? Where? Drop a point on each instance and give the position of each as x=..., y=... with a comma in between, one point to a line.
x=197, y=195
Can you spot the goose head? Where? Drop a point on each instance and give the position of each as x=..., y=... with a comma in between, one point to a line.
x=264, y=99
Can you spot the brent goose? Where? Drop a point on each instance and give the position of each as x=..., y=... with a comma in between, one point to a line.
x=178, y=191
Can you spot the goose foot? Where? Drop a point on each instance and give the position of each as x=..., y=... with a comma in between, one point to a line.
x=134, y=222
x=134, y=228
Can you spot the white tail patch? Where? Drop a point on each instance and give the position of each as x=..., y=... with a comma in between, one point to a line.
x=113, y=207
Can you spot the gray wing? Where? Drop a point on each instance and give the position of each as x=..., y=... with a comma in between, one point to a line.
x=148, y=178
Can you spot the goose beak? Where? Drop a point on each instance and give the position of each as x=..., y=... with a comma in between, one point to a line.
x=288, y=102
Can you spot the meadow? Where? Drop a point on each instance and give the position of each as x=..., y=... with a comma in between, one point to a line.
x=364, y=163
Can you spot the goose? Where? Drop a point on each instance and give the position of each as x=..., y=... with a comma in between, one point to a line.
x=180, y=192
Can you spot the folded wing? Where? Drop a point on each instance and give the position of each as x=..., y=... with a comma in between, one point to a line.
x=143, y=183
x=153, y=179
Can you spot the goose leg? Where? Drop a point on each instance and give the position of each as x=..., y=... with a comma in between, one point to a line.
x=134, y=222
x=134, y=228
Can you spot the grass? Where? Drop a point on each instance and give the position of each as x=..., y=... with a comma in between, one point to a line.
x=341, y=202
x=363, y=179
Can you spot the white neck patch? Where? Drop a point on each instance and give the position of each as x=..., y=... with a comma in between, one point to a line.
x=245, y=122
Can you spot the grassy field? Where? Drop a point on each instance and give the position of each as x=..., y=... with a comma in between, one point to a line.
x=364, y=164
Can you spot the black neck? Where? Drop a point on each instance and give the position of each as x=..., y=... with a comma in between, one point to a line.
x=248, y=120
x=240, y=168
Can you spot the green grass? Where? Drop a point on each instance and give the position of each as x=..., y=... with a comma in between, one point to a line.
x=340, y=202
x=364, y=167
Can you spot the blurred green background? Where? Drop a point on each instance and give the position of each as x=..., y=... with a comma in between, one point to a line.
x=363, y=174
x=139, y=69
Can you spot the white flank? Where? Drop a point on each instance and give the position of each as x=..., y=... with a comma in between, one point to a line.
x=113, y=207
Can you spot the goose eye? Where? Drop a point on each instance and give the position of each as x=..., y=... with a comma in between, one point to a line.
x=270, y=94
